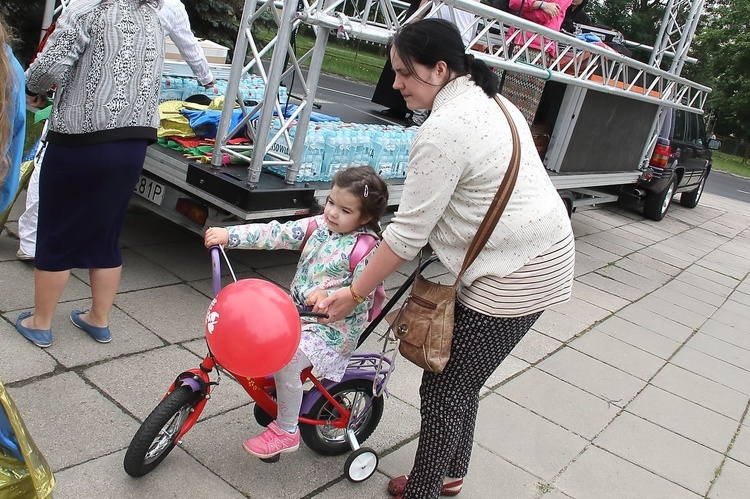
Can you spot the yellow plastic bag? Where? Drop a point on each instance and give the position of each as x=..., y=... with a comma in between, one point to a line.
x=24, y=473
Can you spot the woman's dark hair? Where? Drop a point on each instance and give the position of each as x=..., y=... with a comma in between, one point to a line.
x=370, y=189
x=429, y=41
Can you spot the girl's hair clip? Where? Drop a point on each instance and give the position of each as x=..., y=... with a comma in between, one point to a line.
x=367, y=191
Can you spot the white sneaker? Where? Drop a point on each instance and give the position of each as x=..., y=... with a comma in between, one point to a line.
x=23, y=256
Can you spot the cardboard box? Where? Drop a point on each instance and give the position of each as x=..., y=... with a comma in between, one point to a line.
x=215, y=53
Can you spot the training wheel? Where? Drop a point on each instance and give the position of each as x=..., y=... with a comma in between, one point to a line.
x=272, y=459
x=361, y=464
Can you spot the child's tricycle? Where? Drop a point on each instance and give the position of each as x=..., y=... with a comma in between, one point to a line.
x=334, y=417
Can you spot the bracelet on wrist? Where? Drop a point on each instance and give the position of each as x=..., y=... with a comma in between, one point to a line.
x=29, y=92
x=356, y=297
x=540, y=5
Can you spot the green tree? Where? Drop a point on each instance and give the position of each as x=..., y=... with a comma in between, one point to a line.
x=24, y=17
x=215, y=20
x=722, y=45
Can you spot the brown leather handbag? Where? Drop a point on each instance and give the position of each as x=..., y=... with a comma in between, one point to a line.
x=424, y=324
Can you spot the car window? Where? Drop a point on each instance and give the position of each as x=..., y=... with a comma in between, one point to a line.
x=679, y=126
x=692, y=133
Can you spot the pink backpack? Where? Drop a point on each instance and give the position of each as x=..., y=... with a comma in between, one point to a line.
x=363, y=246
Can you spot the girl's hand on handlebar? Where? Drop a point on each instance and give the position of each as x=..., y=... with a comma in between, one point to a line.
x=315, y=297
x=216, y=236
x=338, y=305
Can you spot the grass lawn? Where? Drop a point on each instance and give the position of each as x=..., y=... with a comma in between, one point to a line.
x=731, y=164
x=347, y=59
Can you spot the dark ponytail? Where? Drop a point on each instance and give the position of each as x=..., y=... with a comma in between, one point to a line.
x=432, y=40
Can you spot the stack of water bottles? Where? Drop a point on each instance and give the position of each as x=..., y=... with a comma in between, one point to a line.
x=251, y=88
x=333, y=146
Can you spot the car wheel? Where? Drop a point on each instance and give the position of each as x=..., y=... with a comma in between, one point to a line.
x=657, y=204
x=690, y=199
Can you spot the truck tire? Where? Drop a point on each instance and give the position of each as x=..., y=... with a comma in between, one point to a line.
x=657, y=204
x=690, y=199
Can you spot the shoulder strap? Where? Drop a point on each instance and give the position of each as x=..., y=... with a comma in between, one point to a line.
x=499, y=202
x=311, y=227
x=363, y=246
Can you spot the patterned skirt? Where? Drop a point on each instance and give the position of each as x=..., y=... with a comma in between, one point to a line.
x=523, y=90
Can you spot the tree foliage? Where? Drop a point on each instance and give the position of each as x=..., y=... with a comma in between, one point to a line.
x=216, y=20
x=722, y=45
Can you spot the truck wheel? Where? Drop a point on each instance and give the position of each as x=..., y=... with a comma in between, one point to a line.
x=690, y=199
x=656, y=205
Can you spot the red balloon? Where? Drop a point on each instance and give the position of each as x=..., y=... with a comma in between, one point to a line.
x=252, y=328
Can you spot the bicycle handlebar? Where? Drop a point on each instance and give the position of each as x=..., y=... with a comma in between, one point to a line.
x=216, y=283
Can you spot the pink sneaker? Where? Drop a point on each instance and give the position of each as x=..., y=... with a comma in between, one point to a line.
x=271, y=442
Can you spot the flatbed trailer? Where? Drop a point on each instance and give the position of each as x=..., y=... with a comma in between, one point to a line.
x=591, y=89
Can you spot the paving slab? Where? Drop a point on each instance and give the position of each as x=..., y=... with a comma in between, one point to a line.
x=597, y=297
x=739, y=307
x=699, y=282
x=702, y=391
x=582, y=311
x=593, y=376
x=189, y=260
x=740, y=450
x=585, y=247
x=598, y=473
x=713, y=368
x=732, y=482
x=585, y=264
x=142, y=228
x=559, y=326
x=57, y=409
x=183, y=320
x=73, y=347
x=679, y=289
x=150, y=374
x=19, y=358
x=667, y=255
x=509, y=368
x=713, y=276
x=19, y=277
x=535, y=346
x=609, y=284
x=489, y=475
x=529, y=441
x=560, y=402
x=720, y=349
x=695, y=305
x=661, y=451
x=217, y=444
x=638, y=336
x=607, y=243
x=631, y=264
x=137, y=273
x=179, y=476
x=619, y=354
x=684, y=417
x=647, y=315
x=633, y=238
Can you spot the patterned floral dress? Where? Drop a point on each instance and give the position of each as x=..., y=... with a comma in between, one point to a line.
x=324, y=264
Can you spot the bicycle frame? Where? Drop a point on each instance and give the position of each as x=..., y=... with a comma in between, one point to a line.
x=361, y=366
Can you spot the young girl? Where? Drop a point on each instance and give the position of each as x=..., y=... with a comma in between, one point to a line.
x=354, y=206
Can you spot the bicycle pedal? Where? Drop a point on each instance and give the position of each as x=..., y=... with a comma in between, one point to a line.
x=272, y=459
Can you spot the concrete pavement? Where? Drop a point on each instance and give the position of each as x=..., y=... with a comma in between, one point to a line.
x=639, y=387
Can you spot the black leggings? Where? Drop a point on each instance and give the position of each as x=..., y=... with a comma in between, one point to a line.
x=450, y=400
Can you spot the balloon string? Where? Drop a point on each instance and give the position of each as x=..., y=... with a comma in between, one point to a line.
x=229, y=265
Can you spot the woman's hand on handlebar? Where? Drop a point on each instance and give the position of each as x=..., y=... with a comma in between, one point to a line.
x=337, y=305
x=216, y=236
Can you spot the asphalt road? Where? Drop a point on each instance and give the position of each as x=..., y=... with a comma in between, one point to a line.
x=727, y=185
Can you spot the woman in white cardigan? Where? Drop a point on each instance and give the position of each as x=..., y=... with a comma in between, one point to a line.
x=457, y=161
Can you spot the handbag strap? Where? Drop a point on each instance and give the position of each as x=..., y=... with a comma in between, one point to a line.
x=499, y=202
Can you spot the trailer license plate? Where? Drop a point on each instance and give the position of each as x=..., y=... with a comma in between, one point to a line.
x=147, y=188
